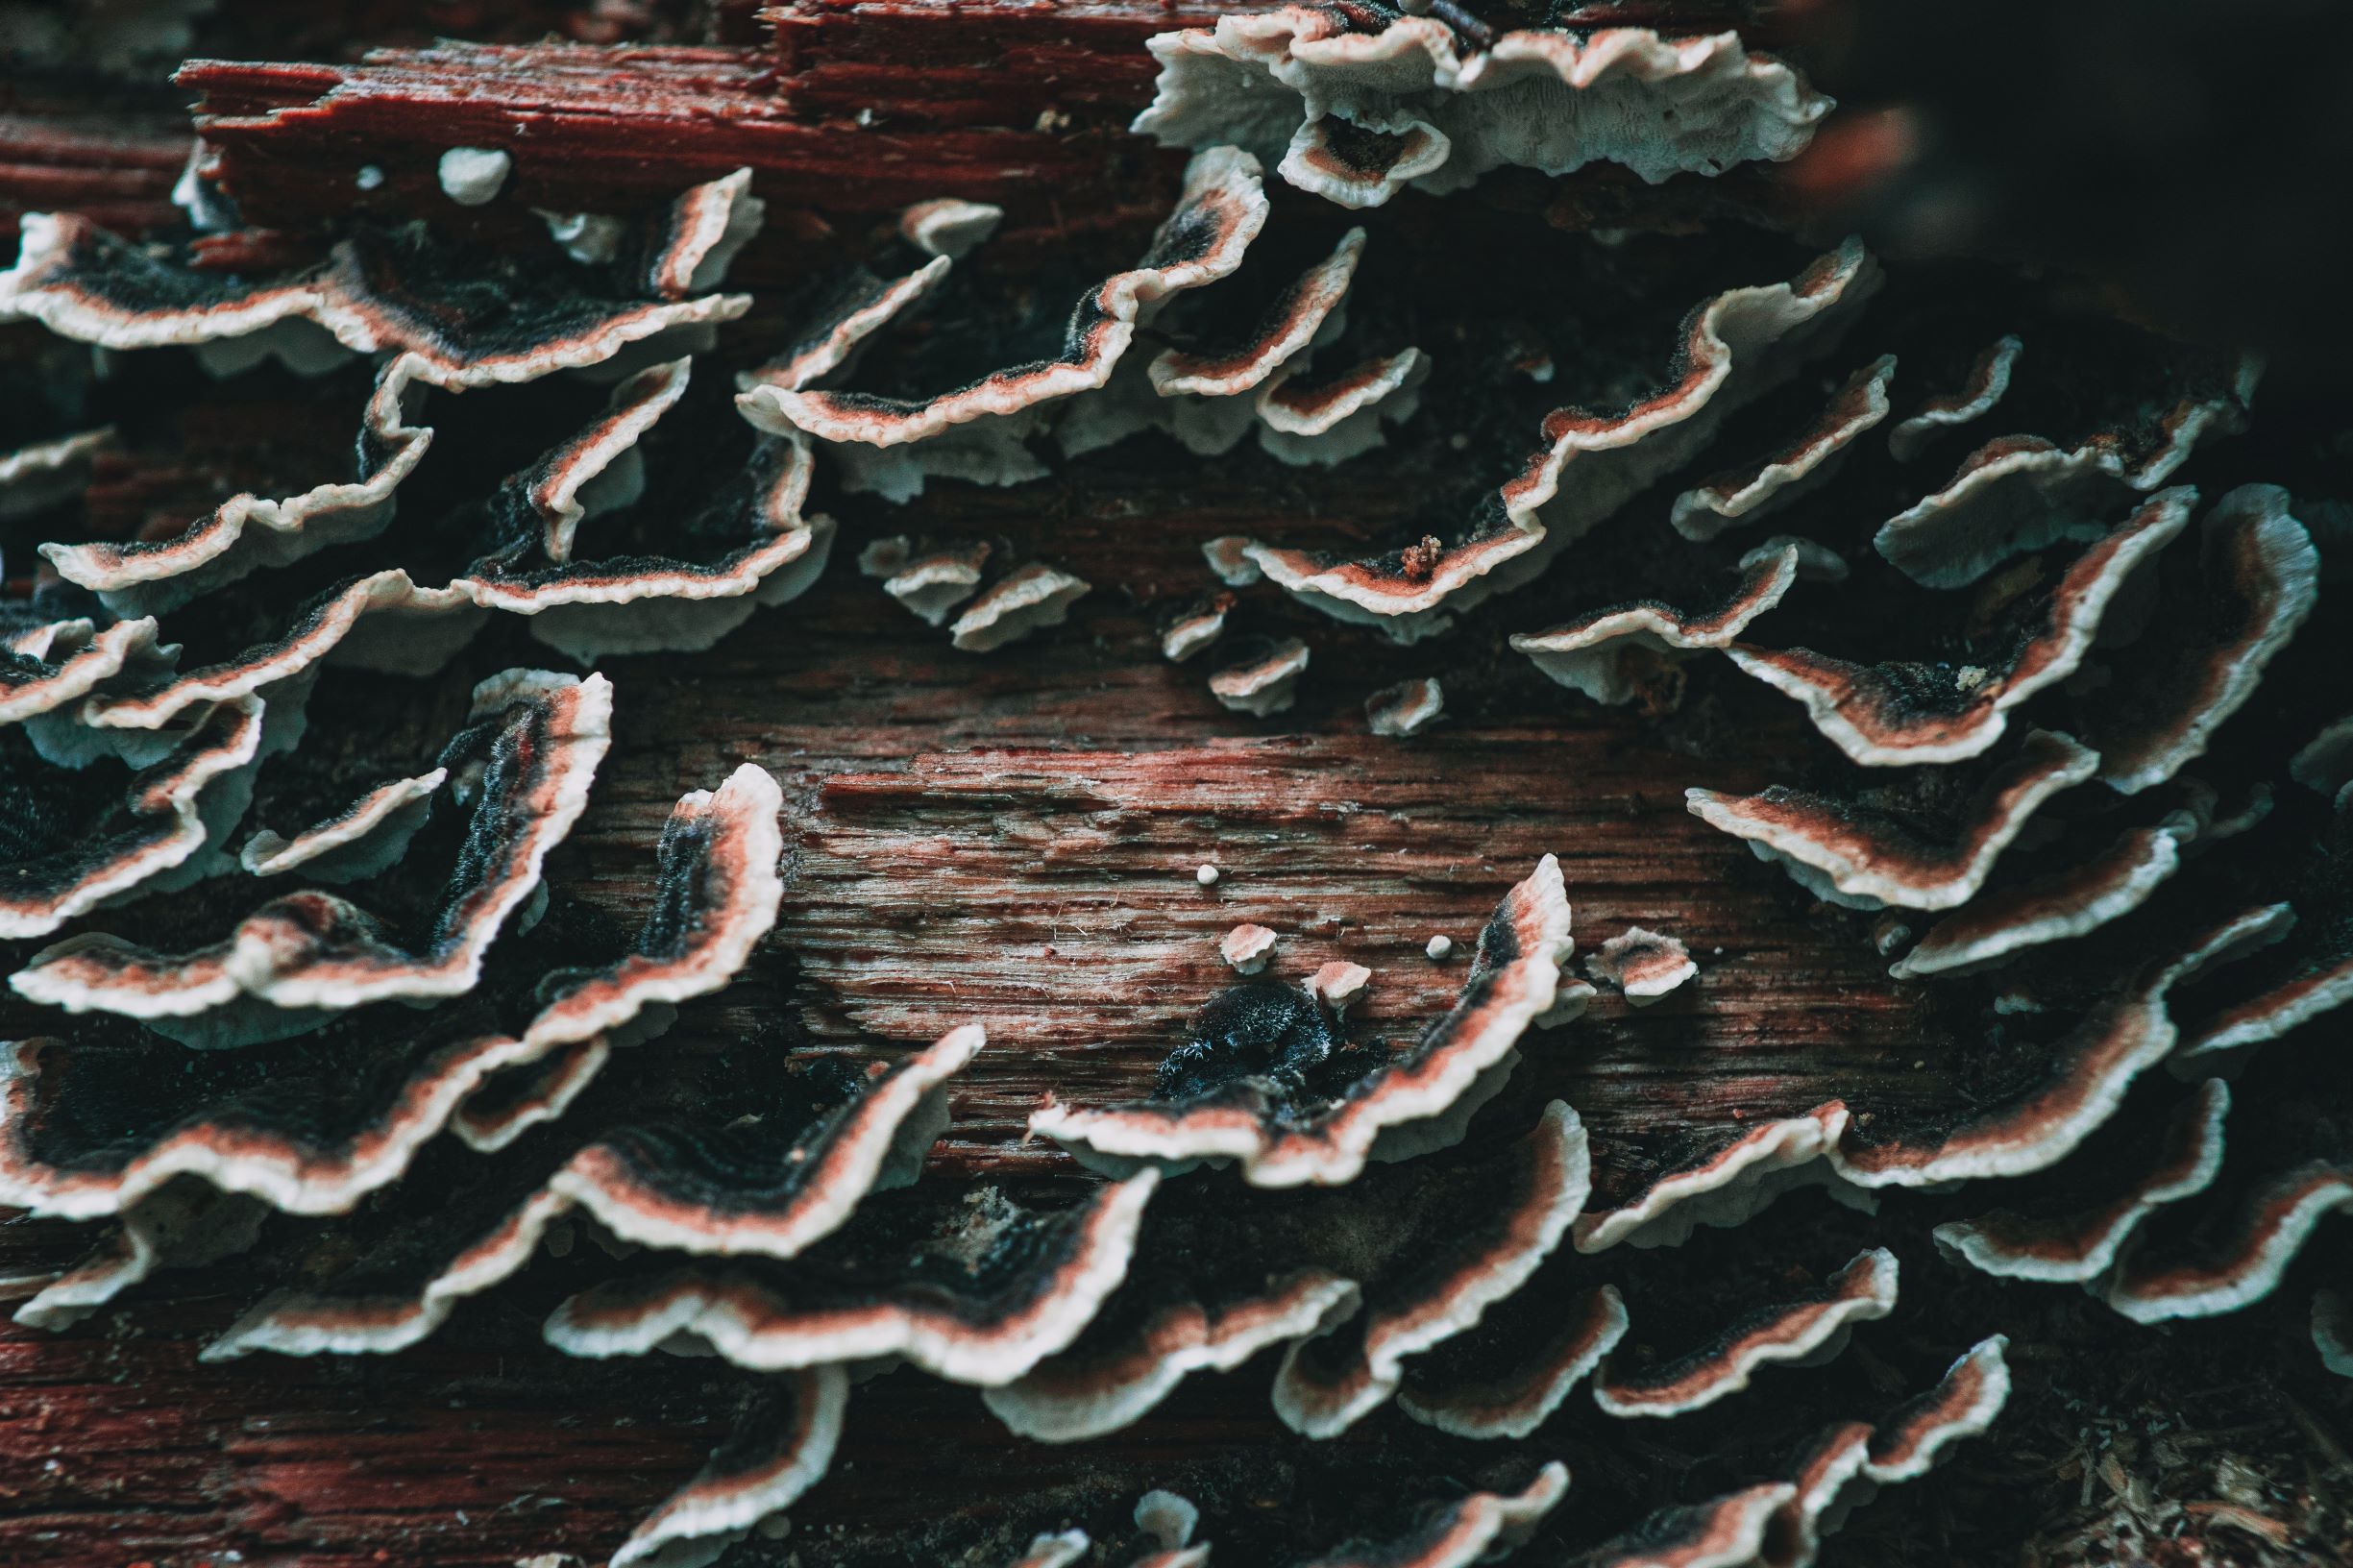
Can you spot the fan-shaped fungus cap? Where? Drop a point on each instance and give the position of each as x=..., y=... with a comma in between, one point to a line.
x=1246, y=949
x=2059, y=907
x=1908, y=1444
x=1034, y=1284
x=1904, y=713
x=1803, y=1330
x=781, y=1446
x=1090, y=1389
x=2087, y=1076
x=2019, y=492
x=433, y=623
x=2077, y=1244
x=376, y=293
x=1406, y=708
x=533, y=745
x=2238, y=1260
x=79, y=1141
x=1862, y=858
x=1743, y=495
x=1195, y=627
x=1330, y=421
x=1228, y=558
x=1357, y=165
x=1723, y=1187
x=1264, y=686
x=1479, y=1528
x=852, y=310
x=1724, y=1533
x=664, y=1184
x=354, y=842
x=1524, y=1395
x=1341, y=90
x=1735, y=346
x=172, y=810
x=1337, y=984
x=1249, y=1091
x=1590, y=653
x=1986, y=384
x=1222, y=208
x=1333, y=1379
x=41, y=474
x=931, y=583
x=1642, y=963
x=763, y=552
x=2258, y=577
x=1029, y=600
x=48, y=666
x=599, y=467
x=1294, y=322
x=949, y=226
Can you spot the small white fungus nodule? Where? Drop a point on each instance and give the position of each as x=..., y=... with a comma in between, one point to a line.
x=1207, y=876
x=471, y=176
x=1440, y=946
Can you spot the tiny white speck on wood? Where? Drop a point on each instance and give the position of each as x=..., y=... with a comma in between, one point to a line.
x=471, y=176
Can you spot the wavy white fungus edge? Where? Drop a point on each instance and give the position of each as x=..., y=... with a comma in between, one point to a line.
x=1986, y=384
x=1805, y=463
x=1265, y=686
x=1592, y=464
x=695, y=1525
x=1731, y=1187
x=1544, y=99
x=934, y=1338
x=1029, y=600
x=273, y=963
x=1415, y=1106
x=881, y=1147
x=1854, y=868
x=353, y=843
x=1222, y=179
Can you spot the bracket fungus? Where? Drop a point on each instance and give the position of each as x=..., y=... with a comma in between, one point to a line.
x=1910, y=713
x=1350, y=1297
x=1263, y=685
x=1985, y=384
x=1867, y=859
x=674, y=1185
x=524, y=764
x=1733, y=348
x=1803, y=1332
x=1722, y=1186
x=1406, y=708
x=980, y=1304
x=1735, y=499
x=1356, y=103
x=1608, y=654
x=1644, y=964
x=1024, y=600
x=1269, y=1082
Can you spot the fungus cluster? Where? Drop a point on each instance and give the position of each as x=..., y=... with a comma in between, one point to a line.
x=293, y=870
